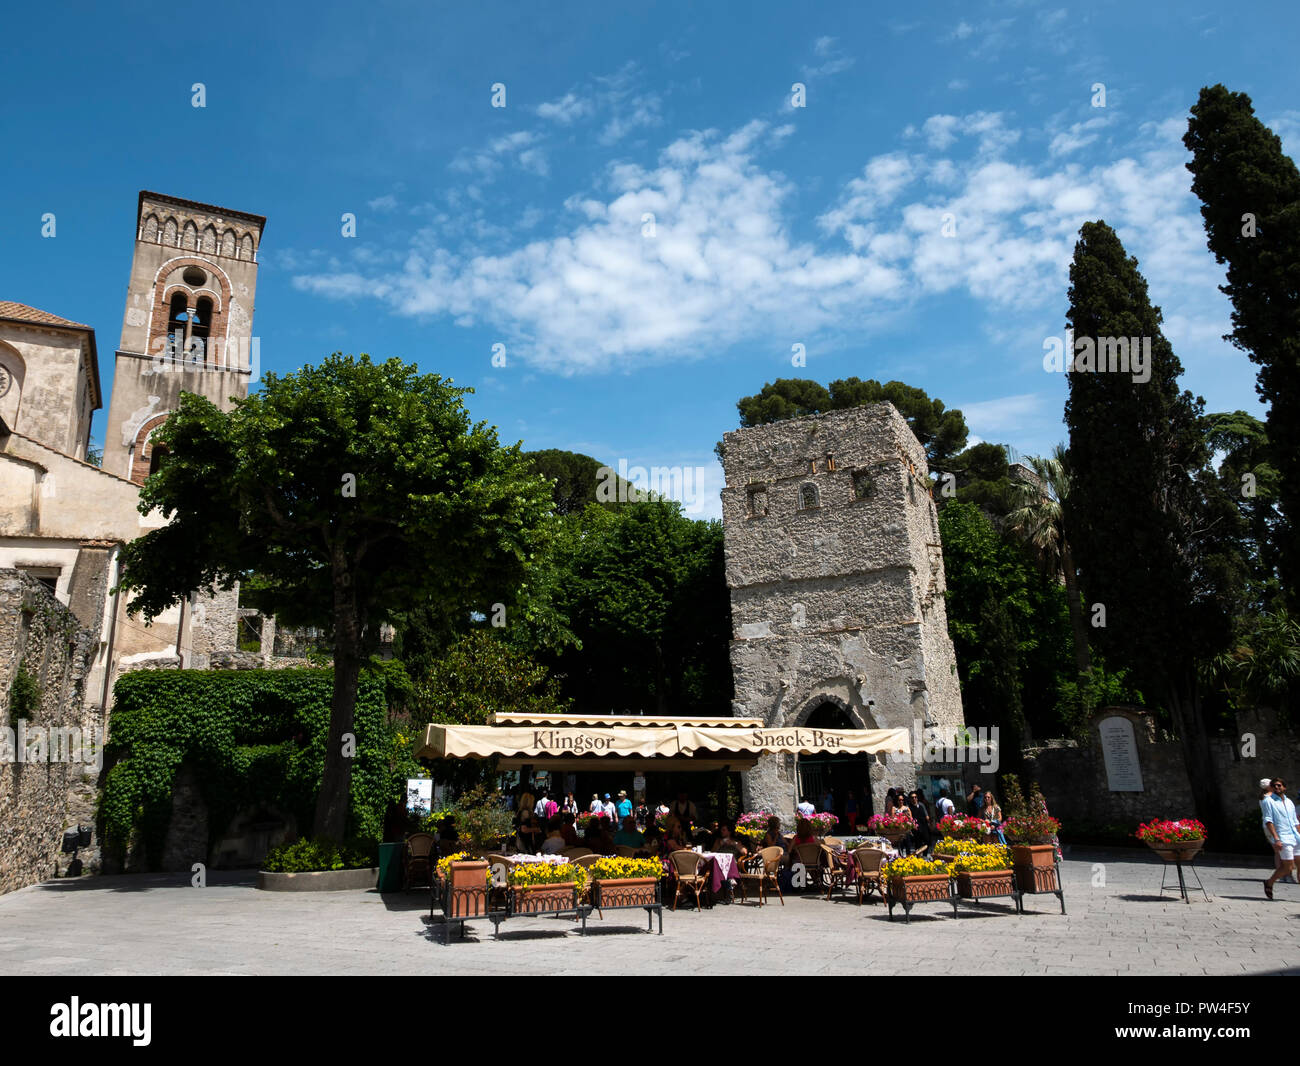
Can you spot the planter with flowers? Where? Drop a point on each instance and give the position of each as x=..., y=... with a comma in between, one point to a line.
x=822, y=823
x=584, y=820
x=965, y=827
x=893, y=826
x=915, y=880
x=544, y=887
x=1033, y=851
x=984, y=870
x=619, y=882
x=463, y=882
x=1178, y=841
x=752, y=826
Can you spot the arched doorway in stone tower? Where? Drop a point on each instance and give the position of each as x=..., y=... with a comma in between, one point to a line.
x=841, y=774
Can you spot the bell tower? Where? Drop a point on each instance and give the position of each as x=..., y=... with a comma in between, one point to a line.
x=188, y=324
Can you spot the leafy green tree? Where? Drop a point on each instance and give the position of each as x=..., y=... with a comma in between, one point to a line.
x=1039, y=521
x=480, y=675
x=1250, y=201
x=356, y=491
x=576, y=477
x=980, y=476
x=942, y=432
x=643, y=589
x=1135, y=447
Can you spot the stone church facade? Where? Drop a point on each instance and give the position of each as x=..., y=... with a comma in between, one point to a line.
x=836, y=576
x=187, y=327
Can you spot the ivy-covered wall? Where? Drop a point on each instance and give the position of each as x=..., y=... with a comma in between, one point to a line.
x=252, y=738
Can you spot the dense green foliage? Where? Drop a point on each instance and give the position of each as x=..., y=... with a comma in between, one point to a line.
x=357, y=493
x=942, y=432
x=309, y=855
x=644, y=591
x=480, y=675
x=24, y=695
x=255, y=738
x=1250, y=201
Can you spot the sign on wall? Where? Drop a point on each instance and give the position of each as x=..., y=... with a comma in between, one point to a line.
x=419, y=795
x=1119, y=750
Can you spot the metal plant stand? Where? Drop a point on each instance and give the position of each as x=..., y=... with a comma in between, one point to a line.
x=1182, y=883
x=1041, y=881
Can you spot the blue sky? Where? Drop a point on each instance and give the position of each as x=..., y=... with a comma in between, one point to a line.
x=523, y=225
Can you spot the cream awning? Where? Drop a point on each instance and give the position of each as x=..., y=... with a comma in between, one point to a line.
x=635, y=721
x=649, y=741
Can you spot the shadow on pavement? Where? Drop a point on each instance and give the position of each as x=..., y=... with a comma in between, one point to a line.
x=146, y=882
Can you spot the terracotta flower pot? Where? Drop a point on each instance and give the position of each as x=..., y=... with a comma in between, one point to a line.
x=624, y=891
x=536, y=899
x=467, y=889
x=1035, y=866
x=1179, y=851
x=894, y=835
x=922, y=888
x=978, y=883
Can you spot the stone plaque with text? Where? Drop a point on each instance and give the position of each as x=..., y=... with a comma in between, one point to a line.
x=1119, y=749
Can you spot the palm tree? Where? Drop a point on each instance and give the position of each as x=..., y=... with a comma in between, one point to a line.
x=1038, y=519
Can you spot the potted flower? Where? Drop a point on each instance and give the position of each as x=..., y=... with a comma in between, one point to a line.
x=822, y=823
x=584, y=820
x=948, y=848
x=465, y=883
x=1175, y=841
x=893, y=825
x=544, y=886
x=983, y=870
x=752, y=826
x=917, y=880
x=964, y=827
x=619, y=882
x=1033, y=850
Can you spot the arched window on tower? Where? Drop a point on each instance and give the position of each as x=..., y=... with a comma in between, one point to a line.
x=178, y=321
x=808, y=497
x=201, y=330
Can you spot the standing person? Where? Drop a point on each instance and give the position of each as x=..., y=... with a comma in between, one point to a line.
x=944, y=804
x=975, y=802
x=611, y=814
x=851, y=811
x=596, y=806
x=623, y=807
x=806, y=809
x=828, y=802
x=685, y=811
x=923, y=836
x=539, y=811
x=570, y=804
x=526, y=801
x=1283, y=831
x=641, y=813
x=993, y=815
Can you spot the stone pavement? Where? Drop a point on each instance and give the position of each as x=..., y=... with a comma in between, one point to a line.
x=158, y=924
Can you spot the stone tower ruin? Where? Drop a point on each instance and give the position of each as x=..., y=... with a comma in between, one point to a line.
x=837, y=595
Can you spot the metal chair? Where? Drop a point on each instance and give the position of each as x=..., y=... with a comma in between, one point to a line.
x=417, y=859
x=868, y=862
x=763, y=869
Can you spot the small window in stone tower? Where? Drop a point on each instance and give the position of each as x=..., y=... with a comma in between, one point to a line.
x=830, y=461
x=758, y=501
x=808, y=497
x=864, y=485
x=177, y=320
x=200, y=329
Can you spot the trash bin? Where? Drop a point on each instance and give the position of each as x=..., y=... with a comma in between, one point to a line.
x=390, y=867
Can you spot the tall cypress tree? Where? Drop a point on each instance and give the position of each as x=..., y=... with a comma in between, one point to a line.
x=1135, y=448
x=1250, y=200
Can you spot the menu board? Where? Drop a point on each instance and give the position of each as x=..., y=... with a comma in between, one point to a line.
x=1119, y=749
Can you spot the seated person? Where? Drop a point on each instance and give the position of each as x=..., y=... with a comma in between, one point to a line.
x=724, y=841
x=598, y=839
x=554, y=842
x=570, y=833
x=628, y=836
x=772, y=838
x=529, y=837
x=653, y=843
x=803, y=834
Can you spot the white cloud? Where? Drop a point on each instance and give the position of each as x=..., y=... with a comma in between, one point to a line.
x=1079, y=135
x=989, y=417
x=567, y=109
x=387, y=202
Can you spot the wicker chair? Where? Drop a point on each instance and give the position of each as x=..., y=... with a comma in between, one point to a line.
x=686, y=866
x=417, y=859
x=810, y=855
x=624, y=851
x=762, y=870
x=576, y=852
x=586, y=861
x=868, y=861
x=832, y=873
x=497, y=891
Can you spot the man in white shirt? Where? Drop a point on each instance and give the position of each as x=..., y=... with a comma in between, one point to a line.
x=806, y=809
x=596, y=806
x=610, y=813
x=1282, y=829
x=944, y=803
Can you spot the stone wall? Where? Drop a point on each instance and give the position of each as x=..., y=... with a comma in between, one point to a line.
x=1074, y=782
x=42, y=791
